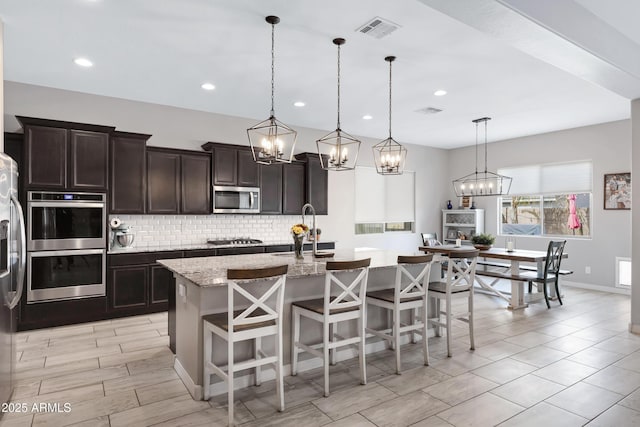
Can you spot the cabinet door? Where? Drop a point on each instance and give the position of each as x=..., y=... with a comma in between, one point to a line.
x=224, y=166
x=248, y=170
x=127, y=287
x=271, y=189
x=160, y=282
x=128, y=177
x=317, y=185
x=89, y=160
x=293, y=189
x=242, y=250
x=163, y=182
x=46, y=154
x=195, y=184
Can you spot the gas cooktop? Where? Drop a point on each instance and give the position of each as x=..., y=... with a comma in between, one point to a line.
x=236, y=241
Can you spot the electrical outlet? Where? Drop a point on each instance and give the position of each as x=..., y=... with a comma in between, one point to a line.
x=587, y=269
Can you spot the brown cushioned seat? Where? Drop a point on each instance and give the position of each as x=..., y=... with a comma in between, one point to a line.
x=317, y=305
x=221, y=320
x=388, y=294
x=442, y=288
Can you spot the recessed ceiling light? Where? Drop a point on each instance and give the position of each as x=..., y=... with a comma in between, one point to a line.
x=440, y=92
x=208, y=86
x=367, y=117
x=83, y=62
x=299, y=104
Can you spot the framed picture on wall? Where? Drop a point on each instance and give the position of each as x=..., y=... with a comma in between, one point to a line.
x=617, y=190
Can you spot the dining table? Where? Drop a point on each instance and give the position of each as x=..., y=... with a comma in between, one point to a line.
x=490, y=274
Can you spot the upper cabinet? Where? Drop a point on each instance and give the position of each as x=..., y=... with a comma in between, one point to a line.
x=316, y=183
x=293, y=188
x=128, y=173
x=178, y=182
x=233, y=165
x=65, y=155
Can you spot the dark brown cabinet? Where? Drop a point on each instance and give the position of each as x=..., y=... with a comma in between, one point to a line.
x=178, y=181
x=195, y=183
x=233, y=165
x=316, y=183
x=293, y=178
x=163, y=182
x=128, y=173
x=136, y=284
x=64, y=155
x=89, y=160
x=271, y=189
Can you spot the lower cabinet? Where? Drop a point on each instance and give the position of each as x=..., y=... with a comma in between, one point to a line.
x=136, y=284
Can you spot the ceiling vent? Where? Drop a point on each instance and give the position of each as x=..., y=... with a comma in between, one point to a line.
x=429, y=110
x=378, y=27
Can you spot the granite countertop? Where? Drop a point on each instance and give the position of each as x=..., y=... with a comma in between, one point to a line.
x=212, y=271
x=186, y=247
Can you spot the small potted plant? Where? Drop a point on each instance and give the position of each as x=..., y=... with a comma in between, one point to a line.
x=483, y=241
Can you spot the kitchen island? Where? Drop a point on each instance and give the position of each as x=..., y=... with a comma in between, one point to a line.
x=201, y=289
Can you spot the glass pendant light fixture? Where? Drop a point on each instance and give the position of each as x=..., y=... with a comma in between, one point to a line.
x=338, y=150
x=388, y=155
x=482, y=183
x=271, y=140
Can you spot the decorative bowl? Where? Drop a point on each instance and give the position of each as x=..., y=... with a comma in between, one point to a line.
x=482, y=247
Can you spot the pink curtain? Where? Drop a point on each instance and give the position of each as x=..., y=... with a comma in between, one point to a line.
x=573, y=222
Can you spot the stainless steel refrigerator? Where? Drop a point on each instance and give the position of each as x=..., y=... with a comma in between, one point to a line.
x=12, y=265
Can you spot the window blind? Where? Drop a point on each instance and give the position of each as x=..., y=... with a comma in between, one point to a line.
x=381, y=198
x=572, y=177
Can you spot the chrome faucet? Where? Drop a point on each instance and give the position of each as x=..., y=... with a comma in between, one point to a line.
x=315, y=235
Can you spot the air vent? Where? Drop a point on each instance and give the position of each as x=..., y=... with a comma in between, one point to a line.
x=429, y=110
x=378, y=27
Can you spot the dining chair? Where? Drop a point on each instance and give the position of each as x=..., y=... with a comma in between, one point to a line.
x=348, y=304
x=262, y=318
x=408, y=293
x=551, y=271
x=461, y=270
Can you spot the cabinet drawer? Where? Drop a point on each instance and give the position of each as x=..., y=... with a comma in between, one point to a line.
x=200, y=253
x=279, y=248
x=240, y=251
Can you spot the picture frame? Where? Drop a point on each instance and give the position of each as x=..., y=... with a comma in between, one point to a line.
x=452, y=233
x=617, y=191
x=466, y=202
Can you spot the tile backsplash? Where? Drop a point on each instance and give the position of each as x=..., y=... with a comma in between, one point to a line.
x=156, y=230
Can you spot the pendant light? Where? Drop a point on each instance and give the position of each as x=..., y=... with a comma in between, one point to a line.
x=388, y=155
x=271, y=140
x=482, y=183
x=338, y=150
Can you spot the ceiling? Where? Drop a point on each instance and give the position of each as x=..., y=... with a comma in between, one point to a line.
x=161, y=52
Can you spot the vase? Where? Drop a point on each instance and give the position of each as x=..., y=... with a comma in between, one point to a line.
x=297, y=244
x=449, y=205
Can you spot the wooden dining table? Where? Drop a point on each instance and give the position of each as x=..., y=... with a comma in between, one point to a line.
x=488, y=279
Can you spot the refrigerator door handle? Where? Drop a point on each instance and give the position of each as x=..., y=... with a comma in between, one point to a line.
x=5, y=226
x=22, y=254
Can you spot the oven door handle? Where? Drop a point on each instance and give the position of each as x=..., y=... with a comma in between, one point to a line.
x=66, y=205
x=22, y=254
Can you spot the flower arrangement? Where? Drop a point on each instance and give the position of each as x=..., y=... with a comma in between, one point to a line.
x=483, y=241
x=299, y=229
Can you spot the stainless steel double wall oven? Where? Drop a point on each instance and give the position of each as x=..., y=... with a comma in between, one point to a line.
x=66, y=241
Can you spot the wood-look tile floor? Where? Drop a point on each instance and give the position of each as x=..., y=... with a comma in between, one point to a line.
x=570, y=365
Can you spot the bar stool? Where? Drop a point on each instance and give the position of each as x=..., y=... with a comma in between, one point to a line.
x=261, y=319
x=349, y=304
x=461, y=270
x=409, y=293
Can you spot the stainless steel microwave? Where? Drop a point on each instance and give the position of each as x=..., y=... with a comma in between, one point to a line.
x=236, y=199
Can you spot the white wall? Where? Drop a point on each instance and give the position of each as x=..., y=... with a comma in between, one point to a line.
x=188, y=129
x=608, y=145
x=1, y=86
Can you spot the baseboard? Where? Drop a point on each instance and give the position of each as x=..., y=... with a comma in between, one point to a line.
x=609, y=289
x=634, y=329
x=194, y=389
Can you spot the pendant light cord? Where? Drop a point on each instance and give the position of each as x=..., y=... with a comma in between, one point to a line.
x=338, y=86
x=273, y=69
x=485, y=147
x=390, y=99
x=476, y=148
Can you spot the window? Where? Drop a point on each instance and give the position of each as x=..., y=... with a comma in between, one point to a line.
x=623, y=272
x=383, y=203
x=548, y=200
